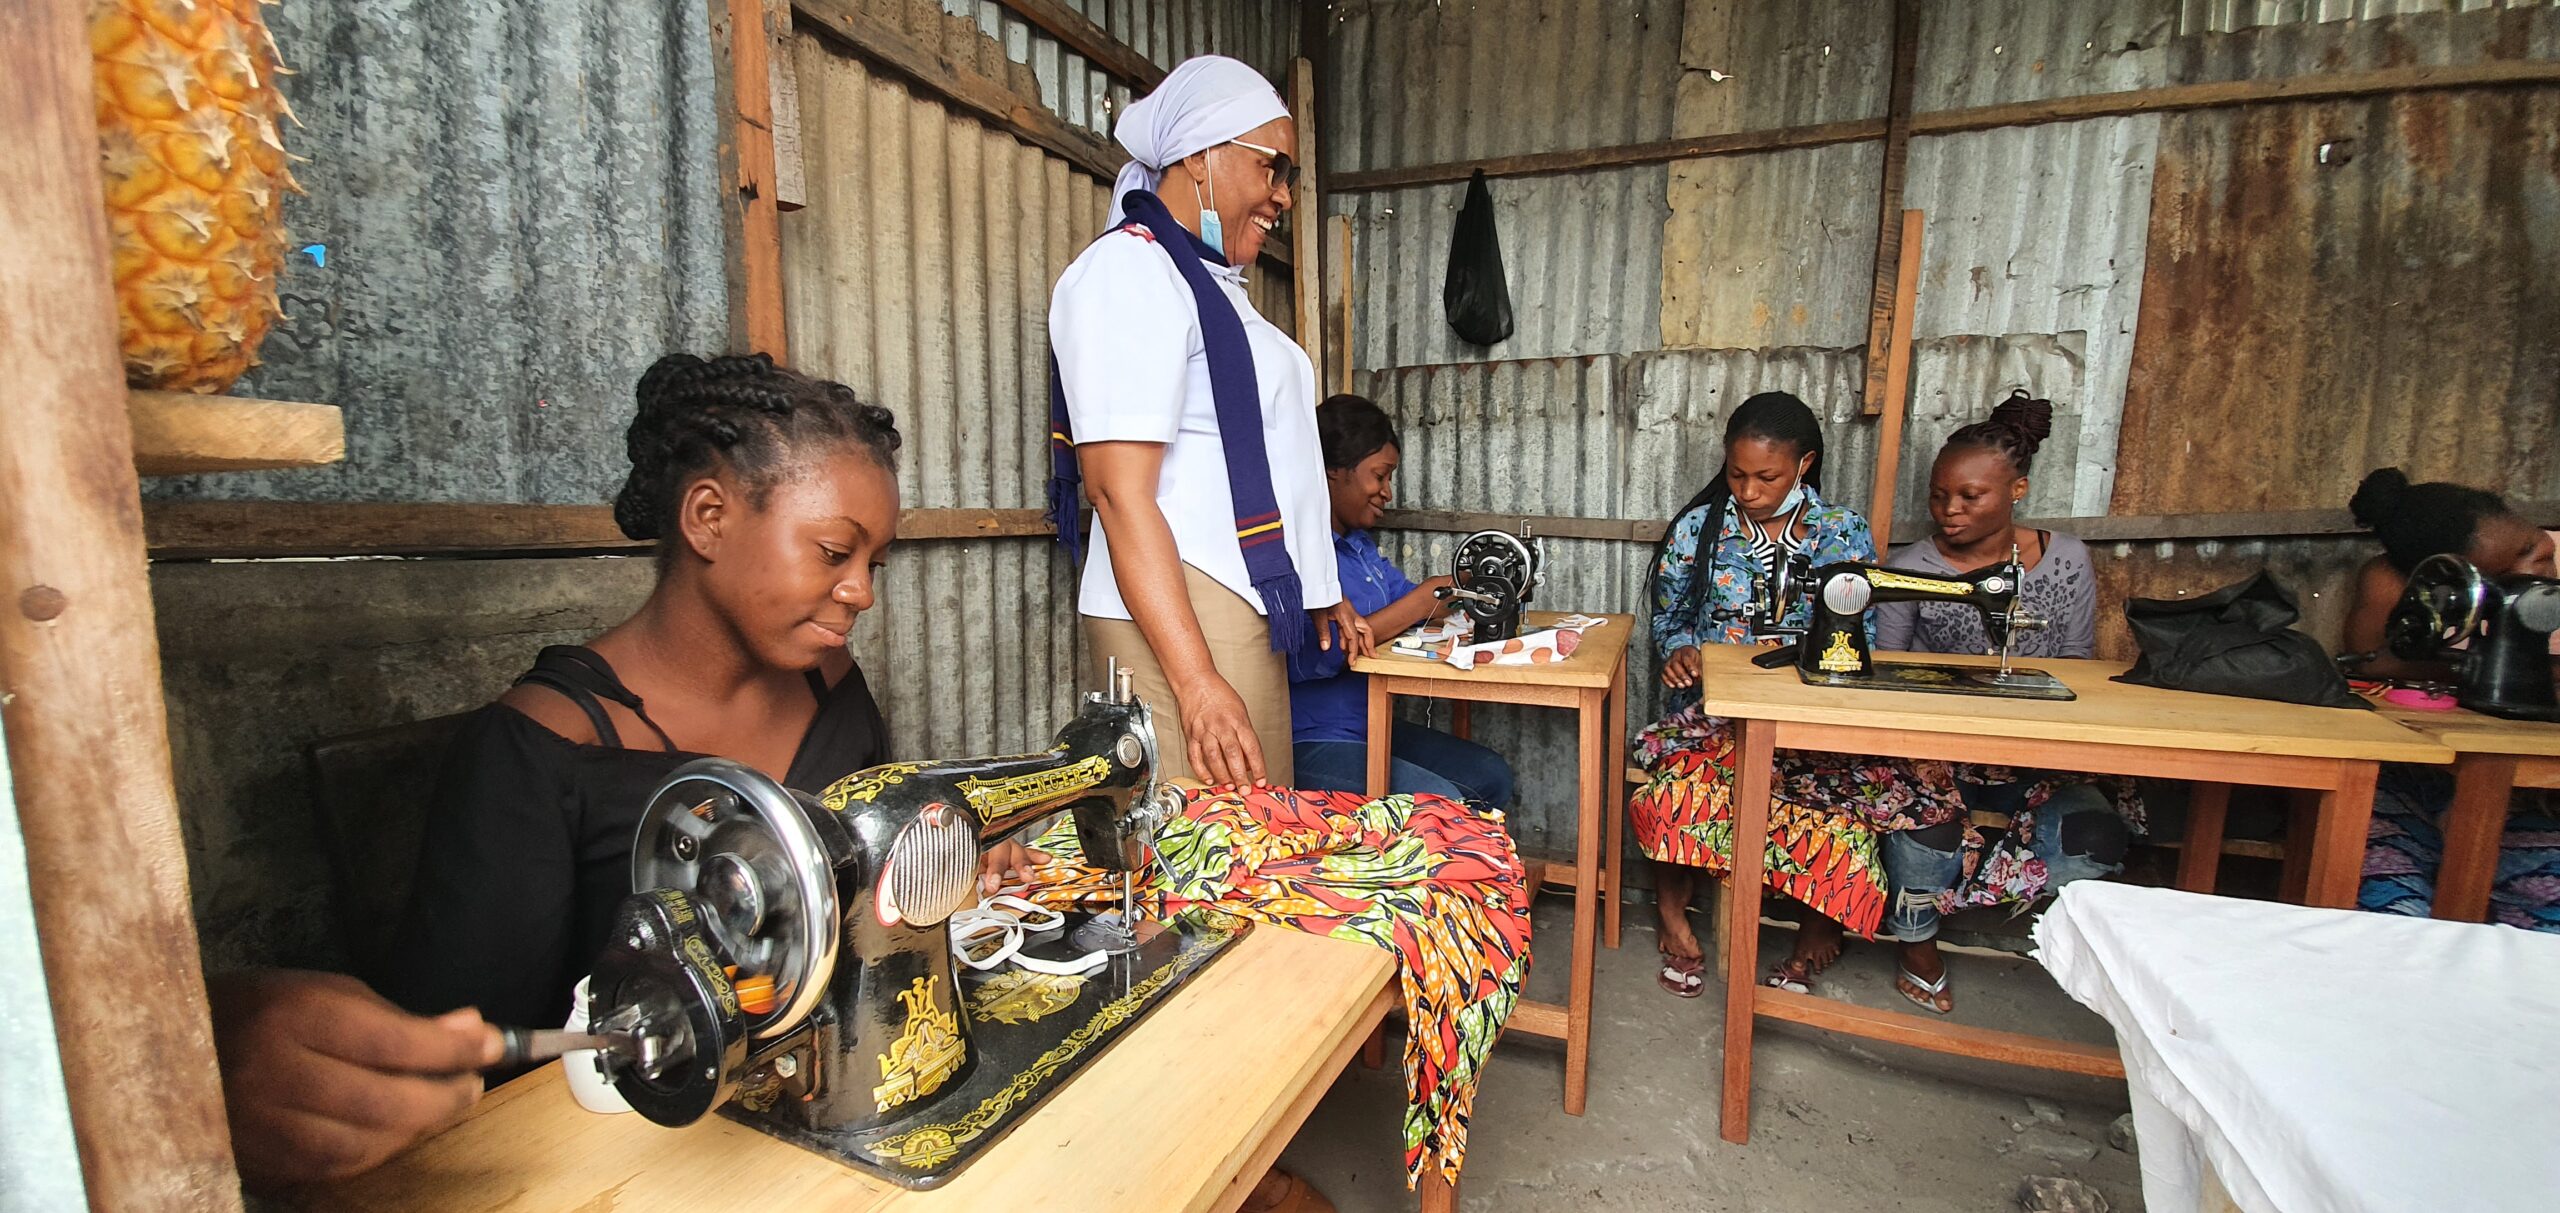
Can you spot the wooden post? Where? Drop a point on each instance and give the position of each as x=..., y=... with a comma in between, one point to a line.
x=1306, y=233
x=742, y=46
x=1897, y=156
x=88, y=739
x=1897, y=385
x=1344, y=355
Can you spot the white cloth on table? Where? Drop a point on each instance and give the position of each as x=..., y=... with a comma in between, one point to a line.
x=2322, y=1061
x=1127, y=334
x=1203, y=102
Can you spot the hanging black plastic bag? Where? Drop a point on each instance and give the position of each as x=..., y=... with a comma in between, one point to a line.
x=1478, y=299
x=2237, y=640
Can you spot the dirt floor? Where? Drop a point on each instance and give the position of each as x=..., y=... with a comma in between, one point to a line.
x=1838, y=1123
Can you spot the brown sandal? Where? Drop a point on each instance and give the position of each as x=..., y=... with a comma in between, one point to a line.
x=1684, y=976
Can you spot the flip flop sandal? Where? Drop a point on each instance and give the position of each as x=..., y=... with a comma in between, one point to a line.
x=1792, y=976
x=1927, y=999
x=1684, y=976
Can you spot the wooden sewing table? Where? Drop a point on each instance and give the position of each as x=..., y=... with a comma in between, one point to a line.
x=1184, y=1113
x=1592, y=681
x=2112, y=728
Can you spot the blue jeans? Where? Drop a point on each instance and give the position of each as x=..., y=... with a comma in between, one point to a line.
x=1423, y=760
x=1916, y=872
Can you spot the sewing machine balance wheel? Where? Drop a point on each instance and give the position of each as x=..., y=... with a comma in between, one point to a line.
x=746, y=851
x=2446, y=601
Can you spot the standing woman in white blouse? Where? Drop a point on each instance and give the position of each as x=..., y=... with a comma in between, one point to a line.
x=1192, y=422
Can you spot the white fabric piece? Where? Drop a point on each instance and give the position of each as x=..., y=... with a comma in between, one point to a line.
x=2322, y=1061
x=1202, y=103
x=1127, y=334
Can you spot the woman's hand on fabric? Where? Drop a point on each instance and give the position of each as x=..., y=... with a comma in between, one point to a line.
x=1341, y=626
x=1681, y=669
x=322, y=1078
x=1218, y=733
x=1008, y=863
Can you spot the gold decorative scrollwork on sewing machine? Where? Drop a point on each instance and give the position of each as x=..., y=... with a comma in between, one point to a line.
x=993, y=797
x=925, y=1053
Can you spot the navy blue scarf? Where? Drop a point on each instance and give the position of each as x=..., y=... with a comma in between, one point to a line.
x=1237, y=392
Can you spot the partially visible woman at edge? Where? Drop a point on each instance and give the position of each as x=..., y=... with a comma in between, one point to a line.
x=1191, y=422
x=2405, y=845
x=1763, y=509
x=772, y=497
x=2062, y=828
x=1329, y=704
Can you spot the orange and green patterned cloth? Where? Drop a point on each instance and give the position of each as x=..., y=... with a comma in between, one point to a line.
x=1429, y=879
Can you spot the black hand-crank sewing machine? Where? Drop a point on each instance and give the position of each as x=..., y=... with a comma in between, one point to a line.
x=2506, y=625
x=1495, y=573
x=1833, y=650
x=785, y=958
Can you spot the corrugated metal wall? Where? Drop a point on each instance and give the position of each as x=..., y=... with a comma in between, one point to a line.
x=2224, y=16
x=2032, y=274
x=508, y=214
x=919, y=274
x=1417, y=82
x=2394, y=259
x=1167, y=32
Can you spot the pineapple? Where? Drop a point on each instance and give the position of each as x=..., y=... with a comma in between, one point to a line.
x=196, y=172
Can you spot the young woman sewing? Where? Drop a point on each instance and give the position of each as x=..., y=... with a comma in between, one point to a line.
x=772, y=497
x=1328, y=704
x=2406, y=843
x=2061, y=829
x=1825, y=810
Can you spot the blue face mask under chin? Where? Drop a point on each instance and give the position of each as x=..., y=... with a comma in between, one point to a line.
x=1795, y=497
x=1213, y=230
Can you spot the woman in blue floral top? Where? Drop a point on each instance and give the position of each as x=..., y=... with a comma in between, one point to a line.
x=1825, y=810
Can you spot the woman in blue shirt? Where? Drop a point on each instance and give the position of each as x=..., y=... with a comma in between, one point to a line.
x=1329, y=706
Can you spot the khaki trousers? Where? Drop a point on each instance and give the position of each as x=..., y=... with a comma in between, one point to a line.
x=1239, y=646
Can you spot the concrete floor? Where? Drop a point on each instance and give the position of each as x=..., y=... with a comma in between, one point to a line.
x=1838, y=1123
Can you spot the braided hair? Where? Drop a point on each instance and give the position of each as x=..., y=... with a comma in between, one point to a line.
x=2016, y=428
x=741, y=412
x=2415, y=521
x=1770, y=417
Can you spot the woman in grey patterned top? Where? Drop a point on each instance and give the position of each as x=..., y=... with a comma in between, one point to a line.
x=2061, y=829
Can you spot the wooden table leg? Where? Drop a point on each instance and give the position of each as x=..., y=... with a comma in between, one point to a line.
x=2482, y=786
x=1438, y=1195
x=1614, y=857
x=1591, y=715
x=2338, y=837
x=2301, y=821
x=1382, y=726
x=2208, y=804
x=1754, y=754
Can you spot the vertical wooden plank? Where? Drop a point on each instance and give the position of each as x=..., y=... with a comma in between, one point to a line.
x=88, y=741
x=2201, y=865
x=1897, y=386
x=2338, y=840
x=1889, y=303
x=2483, y=784
x=790, y=167
x=1306, y=236
x=742, y=47
x=1381, y=731
x=1755, y=757
x=1344, y=353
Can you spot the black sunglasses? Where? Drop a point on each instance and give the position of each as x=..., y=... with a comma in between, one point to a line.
x=1284, y=171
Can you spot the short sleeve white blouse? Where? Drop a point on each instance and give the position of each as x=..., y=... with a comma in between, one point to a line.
x=1127, y=335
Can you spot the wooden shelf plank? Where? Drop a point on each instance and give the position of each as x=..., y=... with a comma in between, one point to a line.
x=175, y=433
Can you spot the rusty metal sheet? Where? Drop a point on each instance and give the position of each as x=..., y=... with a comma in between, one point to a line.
x=2305, y=321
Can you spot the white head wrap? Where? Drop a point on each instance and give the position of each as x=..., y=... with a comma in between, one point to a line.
x=1203, y=103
